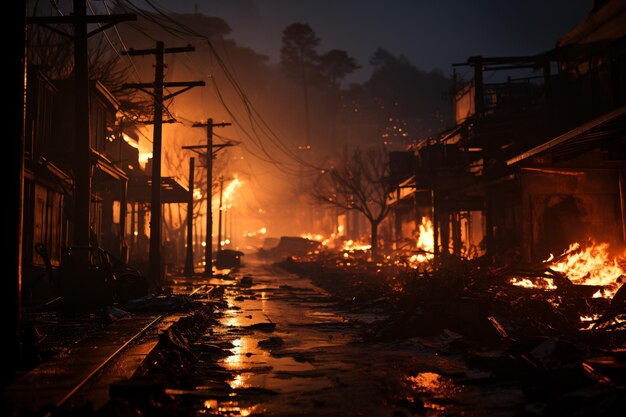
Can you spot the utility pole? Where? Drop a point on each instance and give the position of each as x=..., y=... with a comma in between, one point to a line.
x=82, y=149
x=219, y=221
x=16, y=119
x=208, y=248
x=189, y=258
x=157, y=93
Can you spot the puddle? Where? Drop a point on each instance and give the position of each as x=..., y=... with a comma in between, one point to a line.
x=324, y=317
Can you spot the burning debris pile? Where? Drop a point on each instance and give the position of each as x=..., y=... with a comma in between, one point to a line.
x=564, y=318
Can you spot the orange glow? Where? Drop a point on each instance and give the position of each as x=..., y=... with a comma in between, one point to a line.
x=261, y=231
x=351, y=245
x=425, y=243
x=229, y=192
x=131, y=142
x=325, y=241
x=541, y=283
x=143, y=157
x=592, y=265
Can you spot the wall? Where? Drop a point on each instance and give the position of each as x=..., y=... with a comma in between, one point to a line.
x=566, y=206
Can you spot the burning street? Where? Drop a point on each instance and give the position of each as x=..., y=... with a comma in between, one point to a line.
x=278, y=208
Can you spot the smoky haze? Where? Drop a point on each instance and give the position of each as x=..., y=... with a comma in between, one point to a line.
x=416, y=42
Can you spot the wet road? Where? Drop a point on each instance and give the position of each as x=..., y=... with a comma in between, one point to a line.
x=290, y=338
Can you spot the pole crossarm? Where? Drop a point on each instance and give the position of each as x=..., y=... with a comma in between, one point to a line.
x=222, y=124
x=99, y=18
x=187, y=85
x=151, y=122
x=108, y=20
x=152, y=51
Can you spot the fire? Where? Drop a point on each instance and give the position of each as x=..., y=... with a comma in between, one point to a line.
x=591, y=266
x=351, y=245
x=317, y=237
x=229, y=192
x=325, y=241
x=542, y=283
x=143, y=157
x=425, y=238
x=425, y=243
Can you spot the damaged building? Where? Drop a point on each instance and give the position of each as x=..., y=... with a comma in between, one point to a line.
x=120, y=183
x=533, y=163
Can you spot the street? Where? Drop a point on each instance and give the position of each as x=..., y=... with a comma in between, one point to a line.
x=317, y=364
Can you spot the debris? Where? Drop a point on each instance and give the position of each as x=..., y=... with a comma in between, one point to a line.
x=113, y=313
x=271, y=343
x=158, y=303
x=228, y=258
x=262, y=327
x=173, y=339
x=245, y=282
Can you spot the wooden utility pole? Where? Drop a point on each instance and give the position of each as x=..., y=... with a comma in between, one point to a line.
x=157, y=93
x=189, y=258
x=219, y=221
x=11, y=286
x=82, y=149
x=208, y=248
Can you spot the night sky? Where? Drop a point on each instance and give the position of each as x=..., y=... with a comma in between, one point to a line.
x=432, y=34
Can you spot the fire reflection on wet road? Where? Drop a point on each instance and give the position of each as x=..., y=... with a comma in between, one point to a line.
x=291, y=341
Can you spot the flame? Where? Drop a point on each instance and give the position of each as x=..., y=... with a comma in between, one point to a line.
x=143, y=157
x=325, y=241
x=592, y=265
x=131, y=142
x=229, y=191
x=312, y=236
x=426, y=239
x=541, y=283
x=425, y=243
x=351, y=246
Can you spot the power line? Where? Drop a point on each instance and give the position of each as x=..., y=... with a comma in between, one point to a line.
x=272, y=136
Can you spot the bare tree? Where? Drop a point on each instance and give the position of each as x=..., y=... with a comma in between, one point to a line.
x=358, y=182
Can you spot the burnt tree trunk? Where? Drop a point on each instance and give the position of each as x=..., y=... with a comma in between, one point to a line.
x=374, y=239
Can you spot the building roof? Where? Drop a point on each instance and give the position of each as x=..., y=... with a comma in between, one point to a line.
x=588, y=133
x=139, y=189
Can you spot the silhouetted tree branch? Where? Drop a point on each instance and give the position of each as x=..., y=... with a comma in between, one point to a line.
x=358, y=182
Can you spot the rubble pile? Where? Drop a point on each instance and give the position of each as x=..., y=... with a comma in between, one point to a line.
x=532, y=324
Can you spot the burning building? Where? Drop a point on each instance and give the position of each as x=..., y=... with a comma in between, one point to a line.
x=533, y=164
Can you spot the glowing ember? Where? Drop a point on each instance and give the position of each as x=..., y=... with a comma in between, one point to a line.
x=541, y=283
x=591, y=266
x=589, y=318
x=325, y=241
x=589, y=321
